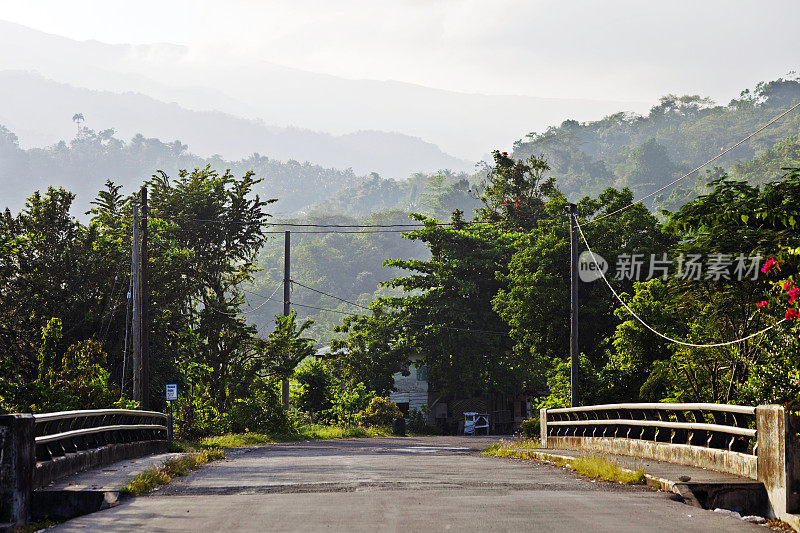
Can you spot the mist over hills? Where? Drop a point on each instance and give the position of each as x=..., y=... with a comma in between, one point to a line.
x=39, y=111
x=465, y=125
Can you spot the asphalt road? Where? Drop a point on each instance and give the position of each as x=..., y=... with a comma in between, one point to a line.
x=394, y=484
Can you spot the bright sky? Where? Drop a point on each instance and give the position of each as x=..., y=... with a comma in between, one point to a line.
x=610, y=49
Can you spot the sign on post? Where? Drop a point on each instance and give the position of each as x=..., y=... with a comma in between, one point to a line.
x=171, y=391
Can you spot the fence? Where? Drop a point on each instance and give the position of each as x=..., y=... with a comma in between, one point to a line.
x=37, y=449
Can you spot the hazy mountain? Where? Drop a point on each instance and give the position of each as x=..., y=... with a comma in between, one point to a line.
x=466, y=125
x=39, y=111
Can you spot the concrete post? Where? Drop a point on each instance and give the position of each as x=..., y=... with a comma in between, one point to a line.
x=17, y=463
x=776, y=456
x=543, y=426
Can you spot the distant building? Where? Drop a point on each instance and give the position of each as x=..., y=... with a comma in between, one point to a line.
x=412, y=391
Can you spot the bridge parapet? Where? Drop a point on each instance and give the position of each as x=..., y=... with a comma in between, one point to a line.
x=756, y=442
x=717, y=426
x=37, y=449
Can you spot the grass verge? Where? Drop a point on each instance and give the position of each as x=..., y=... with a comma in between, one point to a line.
x=520, y=448
x=180, y=466
x=306, y=432
x=589, y=466
x=600, y=468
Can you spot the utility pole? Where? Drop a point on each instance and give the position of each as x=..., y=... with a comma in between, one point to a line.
x=136, y=329
x=287, y=304
x=573, y=278
x=143, y=301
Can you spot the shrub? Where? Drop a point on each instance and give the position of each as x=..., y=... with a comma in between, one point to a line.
x=315, y=381
x=380, y=412
x=530, y=428
x=418, y=422
x=260, y=412
x=348, y=404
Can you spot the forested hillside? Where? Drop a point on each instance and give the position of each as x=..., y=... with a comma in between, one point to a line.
x=84, y=164
x=623, y=150
x=348, y=262
x=38, y=110
x=681, y=132
x=478, y=287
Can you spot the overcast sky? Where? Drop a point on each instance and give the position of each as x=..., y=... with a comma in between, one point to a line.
x=611, y=49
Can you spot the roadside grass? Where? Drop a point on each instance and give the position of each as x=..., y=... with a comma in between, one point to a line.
x=38, y=525
x=588, y=466
x=201, y=451
x=305, y=432
x=600, y=468
x=520, y=448
x=180, y=466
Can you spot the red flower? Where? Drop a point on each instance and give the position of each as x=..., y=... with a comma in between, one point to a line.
x=787, y=285
x=793, y=294
x=791, y=314
x=762, y=303
x=768, y=265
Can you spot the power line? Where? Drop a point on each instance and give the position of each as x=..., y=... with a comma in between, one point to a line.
x=645, y=324
x=309, y=225
x=323, y=309
x=252, y=310
x=341, y=231
x=330, y=295
x=673, y=182
x=453, y=328
x=269, y=299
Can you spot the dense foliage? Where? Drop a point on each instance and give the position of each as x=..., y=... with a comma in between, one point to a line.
x=92, y=157
x=64, y=330
x=489, y=310
x=477, y=291
x=644, y=153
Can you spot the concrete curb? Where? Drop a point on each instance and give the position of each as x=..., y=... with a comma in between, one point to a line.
x=91, y=490
x=750, y=498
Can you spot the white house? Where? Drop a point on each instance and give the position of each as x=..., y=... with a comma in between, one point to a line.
x=411, y=390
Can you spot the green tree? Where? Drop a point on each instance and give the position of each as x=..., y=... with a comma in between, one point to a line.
x=285, y=347
x=734, y=220
x=315, y=380
x=516, y=192
x=534, y=301
x=208, y=229
x=446, y=314
x=371, y=352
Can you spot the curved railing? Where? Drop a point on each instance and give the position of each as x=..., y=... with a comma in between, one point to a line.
x=718, y=426
x=57, y=434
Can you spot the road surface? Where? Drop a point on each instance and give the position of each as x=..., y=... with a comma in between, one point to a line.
x=396, y=484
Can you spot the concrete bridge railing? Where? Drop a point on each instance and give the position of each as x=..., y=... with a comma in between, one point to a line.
x=37, y=449
x=755, y=442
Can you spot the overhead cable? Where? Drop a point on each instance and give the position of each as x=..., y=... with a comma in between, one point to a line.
x=453, y=328
x=646, y=325
x=673, y=182
x=330, y=295
x=309, y=225
x=252, y=310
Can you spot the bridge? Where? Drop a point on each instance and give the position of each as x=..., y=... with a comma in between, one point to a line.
x=416, y=482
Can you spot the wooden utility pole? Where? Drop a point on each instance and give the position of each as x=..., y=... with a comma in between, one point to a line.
x=573, y=277
x=287, y=304
x=136, y=329
x=143, y=302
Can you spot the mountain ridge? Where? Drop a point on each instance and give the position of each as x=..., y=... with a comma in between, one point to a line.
x=463, y=124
